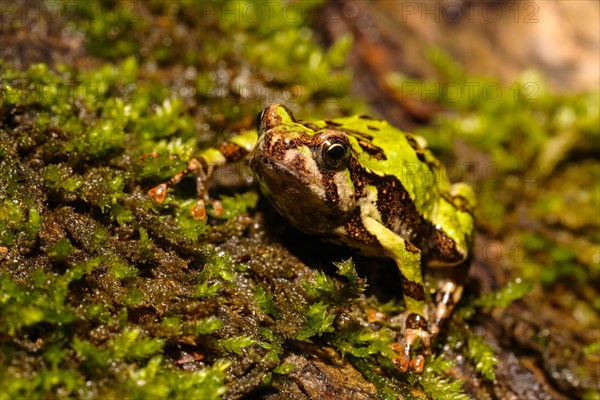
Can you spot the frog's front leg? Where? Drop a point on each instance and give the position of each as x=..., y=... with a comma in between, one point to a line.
x=201, y=171
x=203, y=166
x=415, y=326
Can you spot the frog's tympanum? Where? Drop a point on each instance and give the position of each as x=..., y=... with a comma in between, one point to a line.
x=364, y=183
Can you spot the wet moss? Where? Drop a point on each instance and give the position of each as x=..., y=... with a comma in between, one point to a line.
x=102, y=284
x=105, y=293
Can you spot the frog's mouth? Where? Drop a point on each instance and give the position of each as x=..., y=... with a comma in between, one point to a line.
x=289, y=180
x=296, y=195
x=279, y=159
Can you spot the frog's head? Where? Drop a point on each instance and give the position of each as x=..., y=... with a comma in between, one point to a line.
x=302, y=169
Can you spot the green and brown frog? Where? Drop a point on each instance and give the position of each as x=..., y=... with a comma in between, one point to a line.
x=364, y=183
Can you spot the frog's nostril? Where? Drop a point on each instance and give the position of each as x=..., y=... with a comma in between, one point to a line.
x=290, y=143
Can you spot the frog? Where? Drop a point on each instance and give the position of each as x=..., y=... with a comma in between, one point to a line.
x=360, y=181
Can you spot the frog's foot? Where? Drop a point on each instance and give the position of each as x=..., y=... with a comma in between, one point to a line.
x=415, y=332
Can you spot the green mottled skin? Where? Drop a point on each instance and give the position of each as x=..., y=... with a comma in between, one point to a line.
x=364, y=183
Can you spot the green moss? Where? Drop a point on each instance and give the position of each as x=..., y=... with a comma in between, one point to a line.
x=117, y=25
x=236, y=205
x=347, y=269
x=591, y=395
x=61, y=250
x=206, y=289
x=273, y=344
x=101, y=287
x=265, y=301
x=236, y=344
x=435, y=384
x=120, y=268
x=592, y=348
x=189, y=227
x=363, y=343
x=130, y=346
x=386, y=388
x=505, y=296
x=318, y=321
x=320, y=285
x=221, y=266
x=55, y=380
x=19, y=221
x=158, y=380
x=482, y=356
x=42, y=298
x=203, y=326
x=102, y=139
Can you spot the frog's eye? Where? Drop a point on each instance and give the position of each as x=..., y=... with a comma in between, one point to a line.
x=334, y=151
x=261, y=122
x=258, y=119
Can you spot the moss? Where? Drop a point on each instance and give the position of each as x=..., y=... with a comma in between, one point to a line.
x=106, y=294
x=386, y=388
x=591, y=395
x=482, y=356
x=505, y=296
x=61, y=250
x=236, y=344
x=436, y=386
x=318, y=321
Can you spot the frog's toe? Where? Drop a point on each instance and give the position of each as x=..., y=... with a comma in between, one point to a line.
x=401, y=362
x=158, y=193
x=217, y=207
x=198, y=211
x=417, y=364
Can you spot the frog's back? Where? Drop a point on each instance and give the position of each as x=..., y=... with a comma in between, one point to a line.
x=385, y=150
